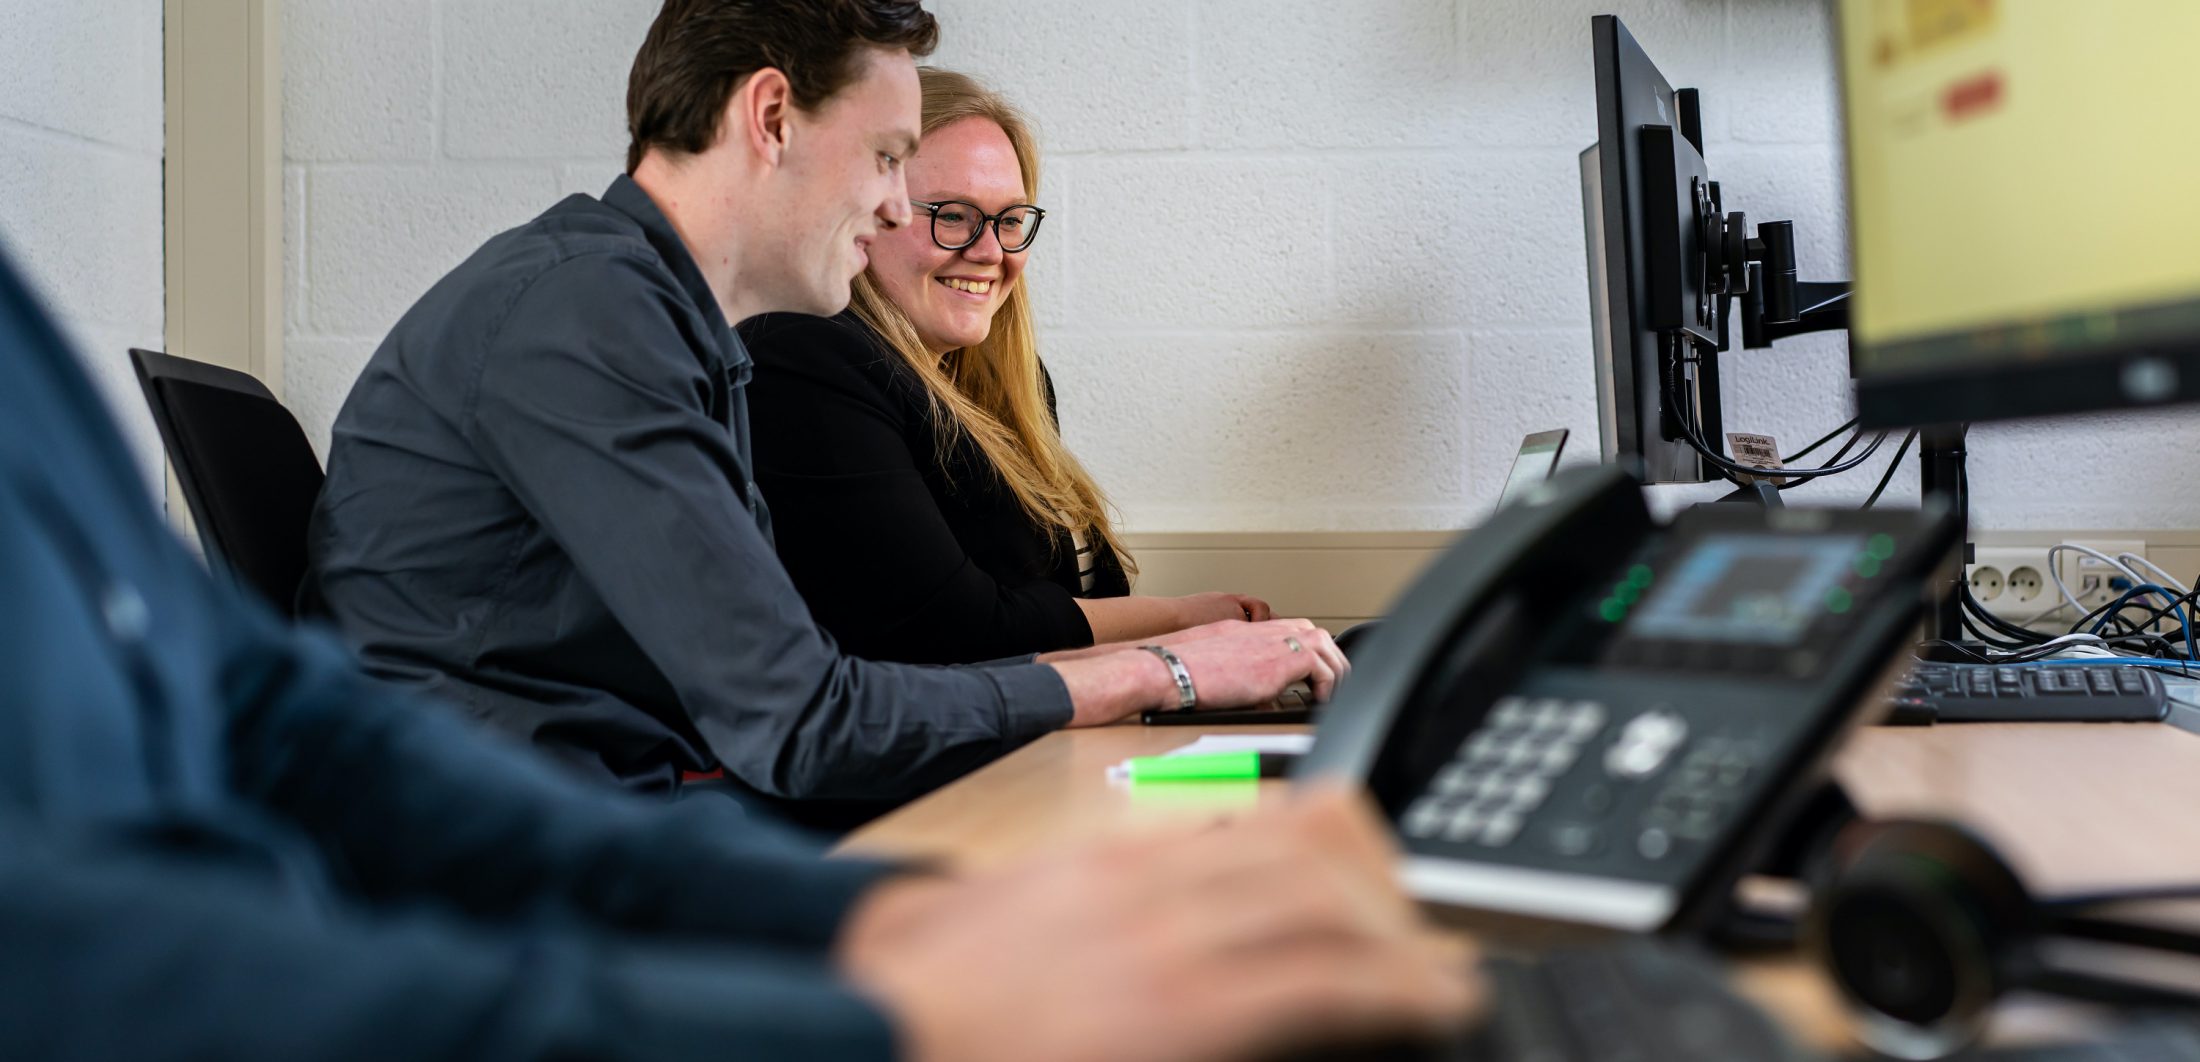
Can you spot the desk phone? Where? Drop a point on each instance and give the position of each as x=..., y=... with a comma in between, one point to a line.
x=1579, y=714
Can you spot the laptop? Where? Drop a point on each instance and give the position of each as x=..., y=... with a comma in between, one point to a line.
x=1538, y=458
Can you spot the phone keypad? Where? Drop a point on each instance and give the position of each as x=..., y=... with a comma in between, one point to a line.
x=1504, y=771
x=1701, y=793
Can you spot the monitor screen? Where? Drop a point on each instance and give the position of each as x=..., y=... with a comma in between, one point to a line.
x=2025, y=226
x=1644, y=389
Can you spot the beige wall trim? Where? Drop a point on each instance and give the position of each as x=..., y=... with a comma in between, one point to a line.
x=224, y=216
x=2187, y=539
x=1338, y=578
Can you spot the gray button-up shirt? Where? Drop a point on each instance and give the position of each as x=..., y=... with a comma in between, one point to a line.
x=540, y=505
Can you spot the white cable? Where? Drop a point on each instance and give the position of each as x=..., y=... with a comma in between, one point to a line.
x=2066, y=642
x=2163, y=577
x=2104, y=558
x=2085, y=644
x=2113, y=562
x=2054, y=575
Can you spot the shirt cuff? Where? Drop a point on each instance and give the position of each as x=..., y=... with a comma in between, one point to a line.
x=668, y=1002
x=1065, y=624
x=808, y=913
x=728, y=874
x=1034, y=701
x=833, y=887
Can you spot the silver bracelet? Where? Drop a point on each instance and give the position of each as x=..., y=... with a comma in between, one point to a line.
x=1186, y=700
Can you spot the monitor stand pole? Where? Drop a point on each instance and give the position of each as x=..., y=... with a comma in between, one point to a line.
x=1940, y=460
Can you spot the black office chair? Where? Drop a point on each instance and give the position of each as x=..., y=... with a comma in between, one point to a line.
x=247, y=472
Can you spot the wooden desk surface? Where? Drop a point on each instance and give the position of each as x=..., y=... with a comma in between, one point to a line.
x=1056, y=790
x=2073, y=807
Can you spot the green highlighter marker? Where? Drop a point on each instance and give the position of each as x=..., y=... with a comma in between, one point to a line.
x=1211, y=766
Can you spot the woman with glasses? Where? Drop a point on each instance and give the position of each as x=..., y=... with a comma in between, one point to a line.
x=921, y=495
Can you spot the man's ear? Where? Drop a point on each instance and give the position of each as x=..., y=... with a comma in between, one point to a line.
x=757, y=115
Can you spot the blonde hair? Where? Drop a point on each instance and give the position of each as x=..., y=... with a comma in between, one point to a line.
x=993, y=393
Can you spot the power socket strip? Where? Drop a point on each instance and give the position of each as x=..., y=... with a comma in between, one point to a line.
x=2012, y=581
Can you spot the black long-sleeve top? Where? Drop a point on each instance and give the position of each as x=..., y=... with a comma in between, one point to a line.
x=219, y=840
x=540, y=506
x=903, y=552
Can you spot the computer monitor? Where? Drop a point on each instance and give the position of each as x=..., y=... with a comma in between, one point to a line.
x=1637, y=426
x=1672, y=274
x=2024, y=200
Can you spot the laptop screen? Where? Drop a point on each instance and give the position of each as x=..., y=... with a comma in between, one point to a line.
x=1537, y=459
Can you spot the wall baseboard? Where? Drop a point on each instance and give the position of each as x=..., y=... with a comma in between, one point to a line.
x=1339, y=578
x=1336, y=578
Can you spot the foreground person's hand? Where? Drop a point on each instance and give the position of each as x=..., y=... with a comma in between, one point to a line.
x=1281, y=930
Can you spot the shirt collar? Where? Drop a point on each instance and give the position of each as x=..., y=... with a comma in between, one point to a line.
x=628, y=198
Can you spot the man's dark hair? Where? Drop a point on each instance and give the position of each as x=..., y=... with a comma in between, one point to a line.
x=698, y=52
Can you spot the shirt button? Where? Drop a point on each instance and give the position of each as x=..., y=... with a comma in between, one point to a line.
x=123, y=608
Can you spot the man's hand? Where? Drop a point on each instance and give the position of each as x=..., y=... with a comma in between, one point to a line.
x=1232, y=665
x=1282, y=930
x=1247, y=664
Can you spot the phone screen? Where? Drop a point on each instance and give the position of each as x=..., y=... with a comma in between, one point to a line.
x=1751, y=589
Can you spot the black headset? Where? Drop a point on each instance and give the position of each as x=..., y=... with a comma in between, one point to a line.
x=1923, y=926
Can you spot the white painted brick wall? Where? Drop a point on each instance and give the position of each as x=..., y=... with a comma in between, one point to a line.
x=359, y=81
x=1311, y=264
x=80, y=182
x=379, y=236
x=567, y=61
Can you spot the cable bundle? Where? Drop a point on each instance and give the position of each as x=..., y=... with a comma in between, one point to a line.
x=2107, y=635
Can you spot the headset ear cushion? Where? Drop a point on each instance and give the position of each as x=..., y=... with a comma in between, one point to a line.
x=1922, y=925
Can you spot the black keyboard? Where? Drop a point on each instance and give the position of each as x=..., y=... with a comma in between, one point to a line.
x=1638, y=1001
x=1635, y=1001
x=1643, y=1000
x=2029, y=693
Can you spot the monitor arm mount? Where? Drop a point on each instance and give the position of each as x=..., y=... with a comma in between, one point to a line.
x=1759, y=272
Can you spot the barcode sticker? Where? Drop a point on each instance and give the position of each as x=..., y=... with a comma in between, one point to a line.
x=1759, y=451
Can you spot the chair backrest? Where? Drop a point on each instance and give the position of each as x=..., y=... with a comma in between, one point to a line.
x=246, y=469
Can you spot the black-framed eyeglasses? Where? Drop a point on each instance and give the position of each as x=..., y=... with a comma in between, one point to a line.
x=956, y=224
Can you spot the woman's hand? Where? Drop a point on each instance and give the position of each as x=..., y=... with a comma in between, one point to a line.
x=1216, y=607
x=1189, y=634
x=1140, y=619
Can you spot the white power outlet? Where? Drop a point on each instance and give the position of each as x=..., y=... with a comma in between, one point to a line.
x=1988, y=583
x=2012, y=581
